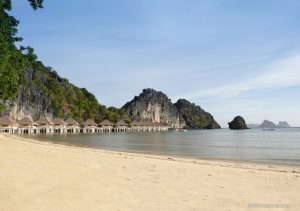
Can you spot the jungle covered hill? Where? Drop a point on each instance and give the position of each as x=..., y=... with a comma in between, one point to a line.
x=27, y=86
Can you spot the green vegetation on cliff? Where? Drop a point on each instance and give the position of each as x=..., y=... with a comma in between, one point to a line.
x=194, y=116
x=27, y=86
x=39, y=90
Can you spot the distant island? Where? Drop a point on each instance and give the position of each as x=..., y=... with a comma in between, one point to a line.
x=283, y=124
x=270, y=124
x=267, y=124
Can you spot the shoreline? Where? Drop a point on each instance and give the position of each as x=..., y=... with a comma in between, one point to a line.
x=155, y=156
x=48, y=176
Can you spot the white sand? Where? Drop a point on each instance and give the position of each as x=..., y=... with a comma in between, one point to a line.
x=41, y=176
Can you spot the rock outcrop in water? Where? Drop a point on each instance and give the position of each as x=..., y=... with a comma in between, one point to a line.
x=194, y=116
x=155, y=106
x=238, y=123
x=267, y=124
x=283, y=124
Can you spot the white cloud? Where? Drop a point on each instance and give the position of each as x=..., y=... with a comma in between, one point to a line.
x=280, y=74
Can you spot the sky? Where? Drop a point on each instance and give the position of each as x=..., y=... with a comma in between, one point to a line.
x=230, y=57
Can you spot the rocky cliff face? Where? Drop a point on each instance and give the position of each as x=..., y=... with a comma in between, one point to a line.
x=157, y=107
x=43, y=93
x=238, y=123
x=31, y=100
x=195, y=117
x=154, y=106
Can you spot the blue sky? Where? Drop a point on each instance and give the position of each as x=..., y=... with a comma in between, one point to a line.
x=230, y=57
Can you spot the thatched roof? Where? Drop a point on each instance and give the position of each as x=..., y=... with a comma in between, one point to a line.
x=89, y=122
x=59, y=121
x=164, y=124
x=148, y=123
x=121, y=123
x=134, y=123
x=44, y=121
x=71, y=122
x=106, y=123
x=27, y=121
x=142, y=123
x=7, y=121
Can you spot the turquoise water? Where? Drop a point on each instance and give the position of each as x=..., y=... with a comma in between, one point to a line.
x=280, y=146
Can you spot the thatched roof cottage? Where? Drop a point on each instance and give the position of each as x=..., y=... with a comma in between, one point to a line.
x=89, y=126
x=121, y=126
x=106, y=125
x=8, y=125
x=45, y=125
x=60, y=126
x=72, y=126
x=27, y=125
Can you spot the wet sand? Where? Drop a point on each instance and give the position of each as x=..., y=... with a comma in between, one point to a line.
x=43, y=176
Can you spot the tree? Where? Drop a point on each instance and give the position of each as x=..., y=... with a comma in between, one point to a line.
x=10, y=56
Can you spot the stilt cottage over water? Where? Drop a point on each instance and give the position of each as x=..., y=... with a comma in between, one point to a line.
x=72, y=126
x=27, y=125
x=121, y=126
x=8, y=125
x=60, y=126
x=149, y=126
x=135, y=126
x=106, y=126
x=142, y=125
x=45, y=125
x=163, y=127
x=89, y=126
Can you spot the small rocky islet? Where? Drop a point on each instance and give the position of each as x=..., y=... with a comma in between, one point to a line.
x=238, y=123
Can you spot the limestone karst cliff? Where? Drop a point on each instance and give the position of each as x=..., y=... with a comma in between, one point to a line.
x=194, y=116
x=155, y=106
x=42, y=92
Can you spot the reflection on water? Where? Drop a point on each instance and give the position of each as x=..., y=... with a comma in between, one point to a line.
x=278, y=146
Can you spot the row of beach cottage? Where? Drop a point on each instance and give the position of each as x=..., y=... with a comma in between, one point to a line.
x=48, y=126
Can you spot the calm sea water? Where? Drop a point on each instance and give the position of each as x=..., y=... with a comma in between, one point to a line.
x=279, y=146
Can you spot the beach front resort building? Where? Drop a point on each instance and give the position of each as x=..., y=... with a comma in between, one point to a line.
x=164, y=127
x=72, y=126
x=106, y=126
x=135, y=126
x=89, y=126
x=27, y=126
x=59, y=126
x=121, y=126
x=8, y=125
x=45, y=125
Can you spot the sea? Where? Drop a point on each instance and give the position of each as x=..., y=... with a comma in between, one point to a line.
x=280, y=146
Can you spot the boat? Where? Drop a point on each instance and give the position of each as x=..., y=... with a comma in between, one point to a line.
x=268, y=129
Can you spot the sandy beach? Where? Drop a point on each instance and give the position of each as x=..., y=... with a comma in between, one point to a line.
x=44, y=176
